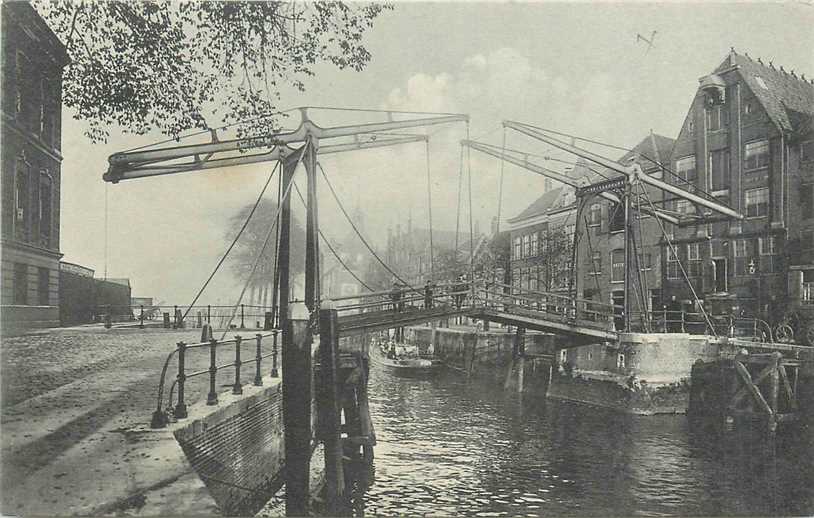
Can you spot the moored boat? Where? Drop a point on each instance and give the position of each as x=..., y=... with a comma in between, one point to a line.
x=405, y=365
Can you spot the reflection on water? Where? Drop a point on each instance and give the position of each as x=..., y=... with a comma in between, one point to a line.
x=452, y=447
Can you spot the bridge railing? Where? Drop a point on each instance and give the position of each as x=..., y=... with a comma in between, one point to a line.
x=552, y=305
x=405, y=299
x=161, y=416
x=679, y=321
x=242, y=316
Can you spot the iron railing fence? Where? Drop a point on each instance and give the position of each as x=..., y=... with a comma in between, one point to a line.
x=163, y=414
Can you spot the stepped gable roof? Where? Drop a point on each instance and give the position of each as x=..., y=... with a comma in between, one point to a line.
x=787, y=98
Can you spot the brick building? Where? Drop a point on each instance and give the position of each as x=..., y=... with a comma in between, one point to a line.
x=33, y=59
x=748, y=140
x=601, y=257
x=542, y=235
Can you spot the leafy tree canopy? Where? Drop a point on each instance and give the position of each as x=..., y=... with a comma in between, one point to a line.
x=169, y=66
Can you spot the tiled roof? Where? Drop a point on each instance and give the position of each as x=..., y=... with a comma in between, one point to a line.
x=787, y=98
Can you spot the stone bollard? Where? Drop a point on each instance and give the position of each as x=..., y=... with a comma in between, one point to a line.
x=200, y=319
x=268, y=323
x=167, y=323
x=206, y=333
x=108, y=320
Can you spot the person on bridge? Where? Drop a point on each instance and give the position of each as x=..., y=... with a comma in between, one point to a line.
x=395, y=296
x=428, y=290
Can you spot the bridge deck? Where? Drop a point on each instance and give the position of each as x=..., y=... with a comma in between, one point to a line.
x=582, y=331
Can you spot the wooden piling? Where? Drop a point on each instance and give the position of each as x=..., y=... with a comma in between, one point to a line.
x=296, y=364
x=330, y=407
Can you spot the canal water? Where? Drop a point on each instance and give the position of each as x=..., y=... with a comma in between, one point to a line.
x=448, y=446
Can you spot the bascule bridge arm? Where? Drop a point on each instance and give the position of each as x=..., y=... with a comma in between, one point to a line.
x=633, y=172
x=521, y=159
x=132, y=171
x=130, y=164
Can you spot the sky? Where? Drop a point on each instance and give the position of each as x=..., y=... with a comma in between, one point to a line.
x=573, y=67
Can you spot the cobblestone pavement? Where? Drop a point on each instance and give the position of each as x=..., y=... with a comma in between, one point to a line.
x=77, y=392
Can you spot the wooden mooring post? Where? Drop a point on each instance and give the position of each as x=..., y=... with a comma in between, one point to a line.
x=296, y=363
x=329, y=406
x=746, y=388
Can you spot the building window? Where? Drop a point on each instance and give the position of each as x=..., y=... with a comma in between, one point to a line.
x=756, y=155
x=43, y=282
x=620, y=361
x=46, y=126
x=595, y=215
x=21, y=217
x=569, y=232
x=748, y=108
x=618, y=265
x=563, y=355
x=20, y=284
x=807, y=150
x=742, y=252
x=684, y=207
x=807, y=292
x=691, y=127
x=769, y=257
x=807, y=201
x=717, y=117
x=685, y=168
x=647, y=261
x=673, y=269
x=527, y=245
x=533, y=243
x=757, y=202
x=596, y=261
x=517, y=248
x=694, y=259
x=45, y=209
x=719, y=170
x=616, y=217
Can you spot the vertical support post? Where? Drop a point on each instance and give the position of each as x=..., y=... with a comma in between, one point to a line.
x=212, y=397
x=209, y=314
x=242, y=317
x=628, y=276
x=237, y=388
x=175, y=316
x=330, y=407
x=664, y=309
x=297, y=408
x=274, y=372
x=141, y=317
x=309, y=159
x=258, y=379
x=181, y=407
x=774, y=389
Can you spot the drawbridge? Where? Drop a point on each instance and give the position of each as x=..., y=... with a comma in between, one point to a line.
x=564, y=313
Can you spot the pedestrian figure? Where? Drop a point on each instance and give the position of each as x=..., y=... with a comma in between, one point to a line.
x=395, y=296
x=428, y=289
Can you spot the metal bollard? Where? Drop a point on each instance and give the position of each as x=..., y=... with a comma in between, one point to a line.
x=237, y=388
x=212, y=397
x=274, y=372
x=208, y=314
x=258, y=379
x=181, y=407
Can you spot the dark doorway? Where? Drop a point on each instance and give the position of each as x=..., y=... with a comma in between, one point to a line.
x=720, y=275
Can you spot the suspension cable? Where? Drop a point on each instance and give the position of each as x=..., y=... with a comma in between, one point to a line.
x=471, y=230
x=429, y=208
x=361, y=237
x=265, y=244
x=331, y=248
x=681, y=266
x=234, y=242
x=458, y=206
x=500, y=184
